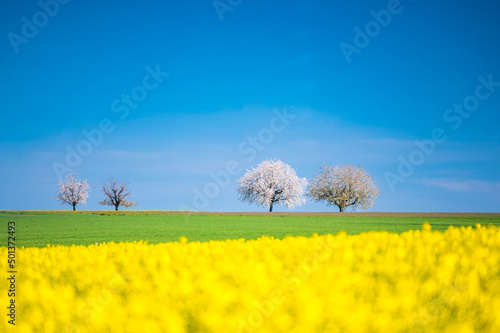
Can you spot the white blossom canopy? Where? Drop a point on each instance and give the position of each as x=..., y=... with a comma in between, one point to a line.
x=272, y=182
x=343, y=186
x=73, y=190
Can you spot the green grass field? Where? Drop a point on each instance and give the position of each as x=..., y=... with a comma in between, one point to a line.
x=83, y=228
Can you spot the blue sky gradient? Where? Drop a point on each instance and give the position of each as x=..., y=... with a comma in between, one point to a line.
x=180, y=98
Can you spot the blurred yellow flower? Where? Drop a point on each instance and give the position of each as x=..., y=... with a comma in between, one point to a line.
x=417, y=281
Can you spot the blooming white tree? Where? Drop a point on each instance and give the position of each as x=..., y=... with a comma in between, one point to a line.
x=73, y=190
x=272, y=182
x=116, y=193
x=343, y=186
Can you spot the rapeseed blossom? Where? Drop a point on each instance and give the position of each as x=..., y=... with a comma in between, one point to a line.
x=417, y=281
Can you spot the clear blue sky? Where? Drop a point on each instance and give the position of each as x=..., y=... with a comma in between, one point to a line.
x=172, y=93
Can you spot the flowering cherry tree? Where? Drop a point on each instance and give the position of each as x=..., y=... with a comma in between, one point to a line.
x=272, y=182
x=116, y=193
x=343, y=186
x=73, y=190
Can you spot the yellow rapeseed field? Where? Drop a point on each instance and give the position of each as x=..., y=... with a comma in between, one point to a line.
x=417, y=281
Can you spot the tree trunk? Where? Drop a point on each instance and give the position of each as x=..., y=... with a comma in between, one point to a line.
x=271, y=207
x=116, y=207
x=341, y=208
x=74, y=207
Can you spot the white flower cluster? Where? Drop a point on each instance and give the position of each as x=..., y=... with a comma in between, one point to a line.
x=272, y=182
x=73, y=191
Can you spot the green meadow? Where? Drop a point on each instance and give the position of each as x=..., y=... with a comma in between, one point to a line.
x=38, y=229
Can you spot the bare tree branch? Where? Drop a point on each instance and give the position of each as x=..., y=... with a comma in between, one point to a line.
x=116, y=193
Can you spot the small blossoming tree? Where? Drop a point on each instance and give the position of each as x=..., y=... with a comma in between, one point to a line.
x=343, y=186
x=73, y=190
x=272, y=182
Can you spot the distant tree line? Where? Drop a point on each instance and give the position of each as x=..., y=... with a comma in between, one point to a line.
x=75, y=191
x=276, y=183
x=271, y=183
